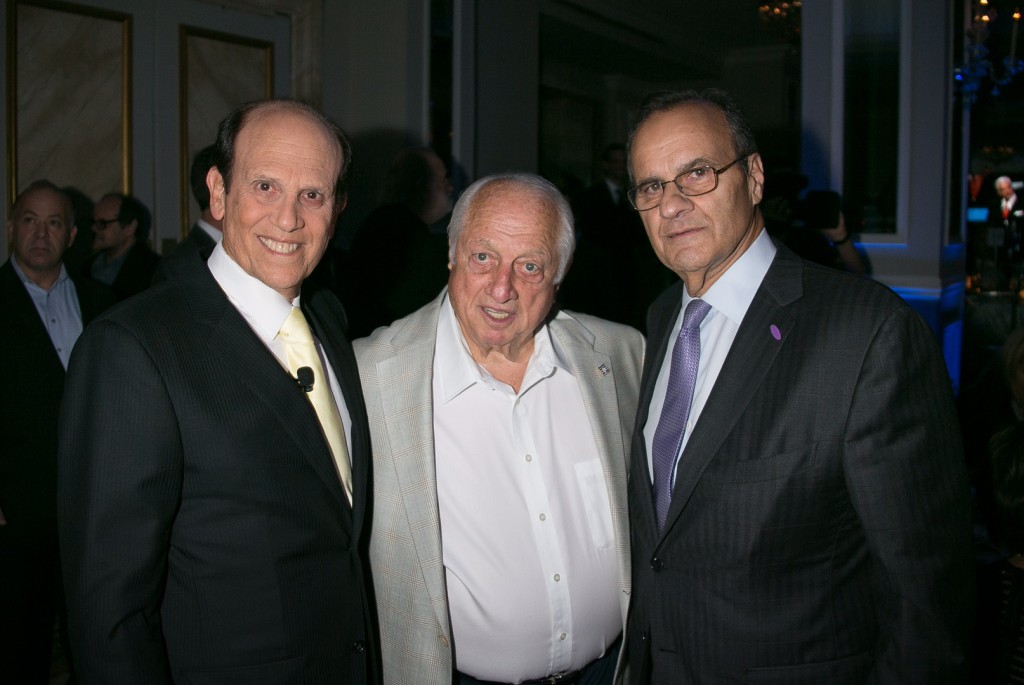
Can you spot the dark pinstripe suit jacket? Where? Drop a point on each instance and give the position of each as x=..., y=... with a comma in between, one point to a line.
x=198, y=245
x=819, y=528
x=205, y=534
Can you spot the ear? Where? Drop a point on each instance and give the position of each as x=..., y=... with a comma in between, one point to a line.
x=755, y=178
x=10, y=237
x=215, y=184
x=340, y=205
x=71, y=236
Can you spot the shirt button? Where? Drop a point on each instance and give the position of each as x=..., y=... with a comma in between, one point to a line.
x=358, y=647
x=529, y=457
x=562, y=636
x=543, y=517
x=558, y=577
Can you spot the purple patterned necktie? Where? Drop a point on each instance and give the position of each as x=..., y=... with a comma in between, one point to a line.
x=682, y=377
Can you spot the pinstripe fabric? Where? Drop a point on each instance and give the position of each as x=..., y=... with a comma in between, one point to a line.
x=405, y=549
x=819, y=527
x=205, y=535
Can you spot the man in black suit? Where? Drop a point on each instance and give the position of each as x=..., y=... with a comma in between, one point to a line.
x=614, y=274
x=207, y=531
x=42, y=313
x=122, y=257
x=206, y=231
x=802, y=515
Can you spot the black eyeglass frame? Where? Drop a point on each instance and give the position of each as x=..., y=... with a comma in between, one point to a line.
x=631, y=193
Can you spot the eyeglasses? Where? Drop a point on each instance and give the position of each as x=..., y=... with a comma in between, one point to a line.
x=699, y=181
x=103, y=223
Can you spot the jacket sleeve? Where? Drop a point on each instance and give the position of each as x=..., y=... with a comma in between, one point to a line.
x=120, y=477
x=907, y=481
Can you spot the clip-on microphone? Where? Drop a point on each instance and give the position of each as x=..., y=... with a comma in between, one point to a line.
x=305, y=378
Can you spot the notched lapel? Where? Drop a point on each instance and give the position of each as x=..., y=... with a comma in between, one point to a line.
x=243, y=355
x=410, y=434
x=762, y=335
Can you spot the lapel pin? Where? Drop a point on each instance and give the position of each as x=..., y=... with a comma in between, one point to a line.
x=776, y=333
x=603, y=369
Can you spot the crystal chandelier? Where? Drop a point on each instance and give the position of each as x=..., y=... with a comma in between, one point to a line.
x=977, y=67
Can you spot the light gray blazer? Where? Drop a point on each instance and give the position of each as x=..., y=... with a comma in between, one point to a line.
x=395, y=365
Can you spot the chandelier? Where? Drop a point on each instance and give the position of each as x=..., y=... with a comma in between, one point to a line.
x=782, y=16
x=978, y=67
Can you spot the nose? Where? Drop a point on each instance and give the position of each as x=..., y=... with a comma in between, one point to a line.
x=288, y=216
x=501, y=287
x=674, y=202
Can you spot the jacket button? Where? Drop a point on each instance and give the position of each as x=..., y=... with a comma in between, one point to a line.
x=358, y=647
x=657, y=564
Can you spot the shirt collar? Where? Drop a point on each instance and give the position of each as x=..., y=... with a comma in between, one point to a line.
x=457, y=370
x=263, y=306
x=734, y=290
x=211, y=231
x=28, y=282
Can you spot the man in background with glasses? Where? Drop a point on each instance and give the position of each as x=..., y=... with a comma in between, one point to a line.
x=122, y=257
x=797, y=496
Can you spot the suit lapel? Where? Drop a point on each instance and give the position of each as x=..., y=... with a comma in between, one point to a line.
x=663, y=314
x=751, y=356
x=595, y=375
x=327, y=321
x=244, y=359
x=411, y=440
x=34, y=333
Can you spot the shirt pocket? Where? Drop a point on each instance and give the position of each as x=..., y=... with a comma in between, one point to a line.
x=596, y=503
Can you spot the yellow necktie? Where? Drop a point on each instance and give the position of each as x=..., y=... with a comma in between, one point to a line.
x=302, y=352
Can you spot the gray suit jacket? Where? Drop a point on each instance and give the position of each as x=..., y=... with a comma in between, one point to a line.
x=405, y=550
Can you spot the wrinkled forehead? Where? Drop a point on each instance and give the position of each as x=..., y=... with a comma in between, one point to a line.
x=686, y=132
x=288, y=134
x=503, y=210
x=44, y=202
x=288, y=122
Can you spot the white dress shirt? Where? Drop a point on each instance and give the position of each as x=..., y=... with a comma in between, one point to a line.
x=729, y=297
x=265, y=310
x=58, y=309
x=526, y=521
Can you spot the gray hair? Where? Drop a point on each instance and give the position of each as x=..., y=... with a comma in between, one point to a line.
x=532, y=185
x=743, y=142
x=1001, y=180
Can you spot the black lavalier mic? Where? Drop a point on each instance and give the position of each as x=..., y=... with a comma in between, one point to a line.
x=305, y=378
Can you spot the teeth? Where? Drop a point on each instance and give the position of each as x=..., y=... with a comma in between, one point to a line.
x=283, y=248
x=496, y=314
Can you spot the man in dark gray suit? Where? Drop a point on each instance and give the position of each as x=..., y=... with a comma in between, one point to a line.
x=207, y=231
x=797, y=494
x=204, y=521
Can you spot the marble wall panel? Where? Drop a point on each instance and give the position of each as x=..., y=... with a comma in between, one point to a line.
x=72, y=117
x=220, y=73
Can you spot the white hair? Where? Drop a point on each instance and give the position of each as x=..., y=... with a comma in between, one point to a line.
x=532, y=185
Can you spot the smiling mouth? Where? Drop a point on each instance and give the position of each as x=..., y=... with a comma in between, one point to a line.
x=278, y=247
x=496, y=314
